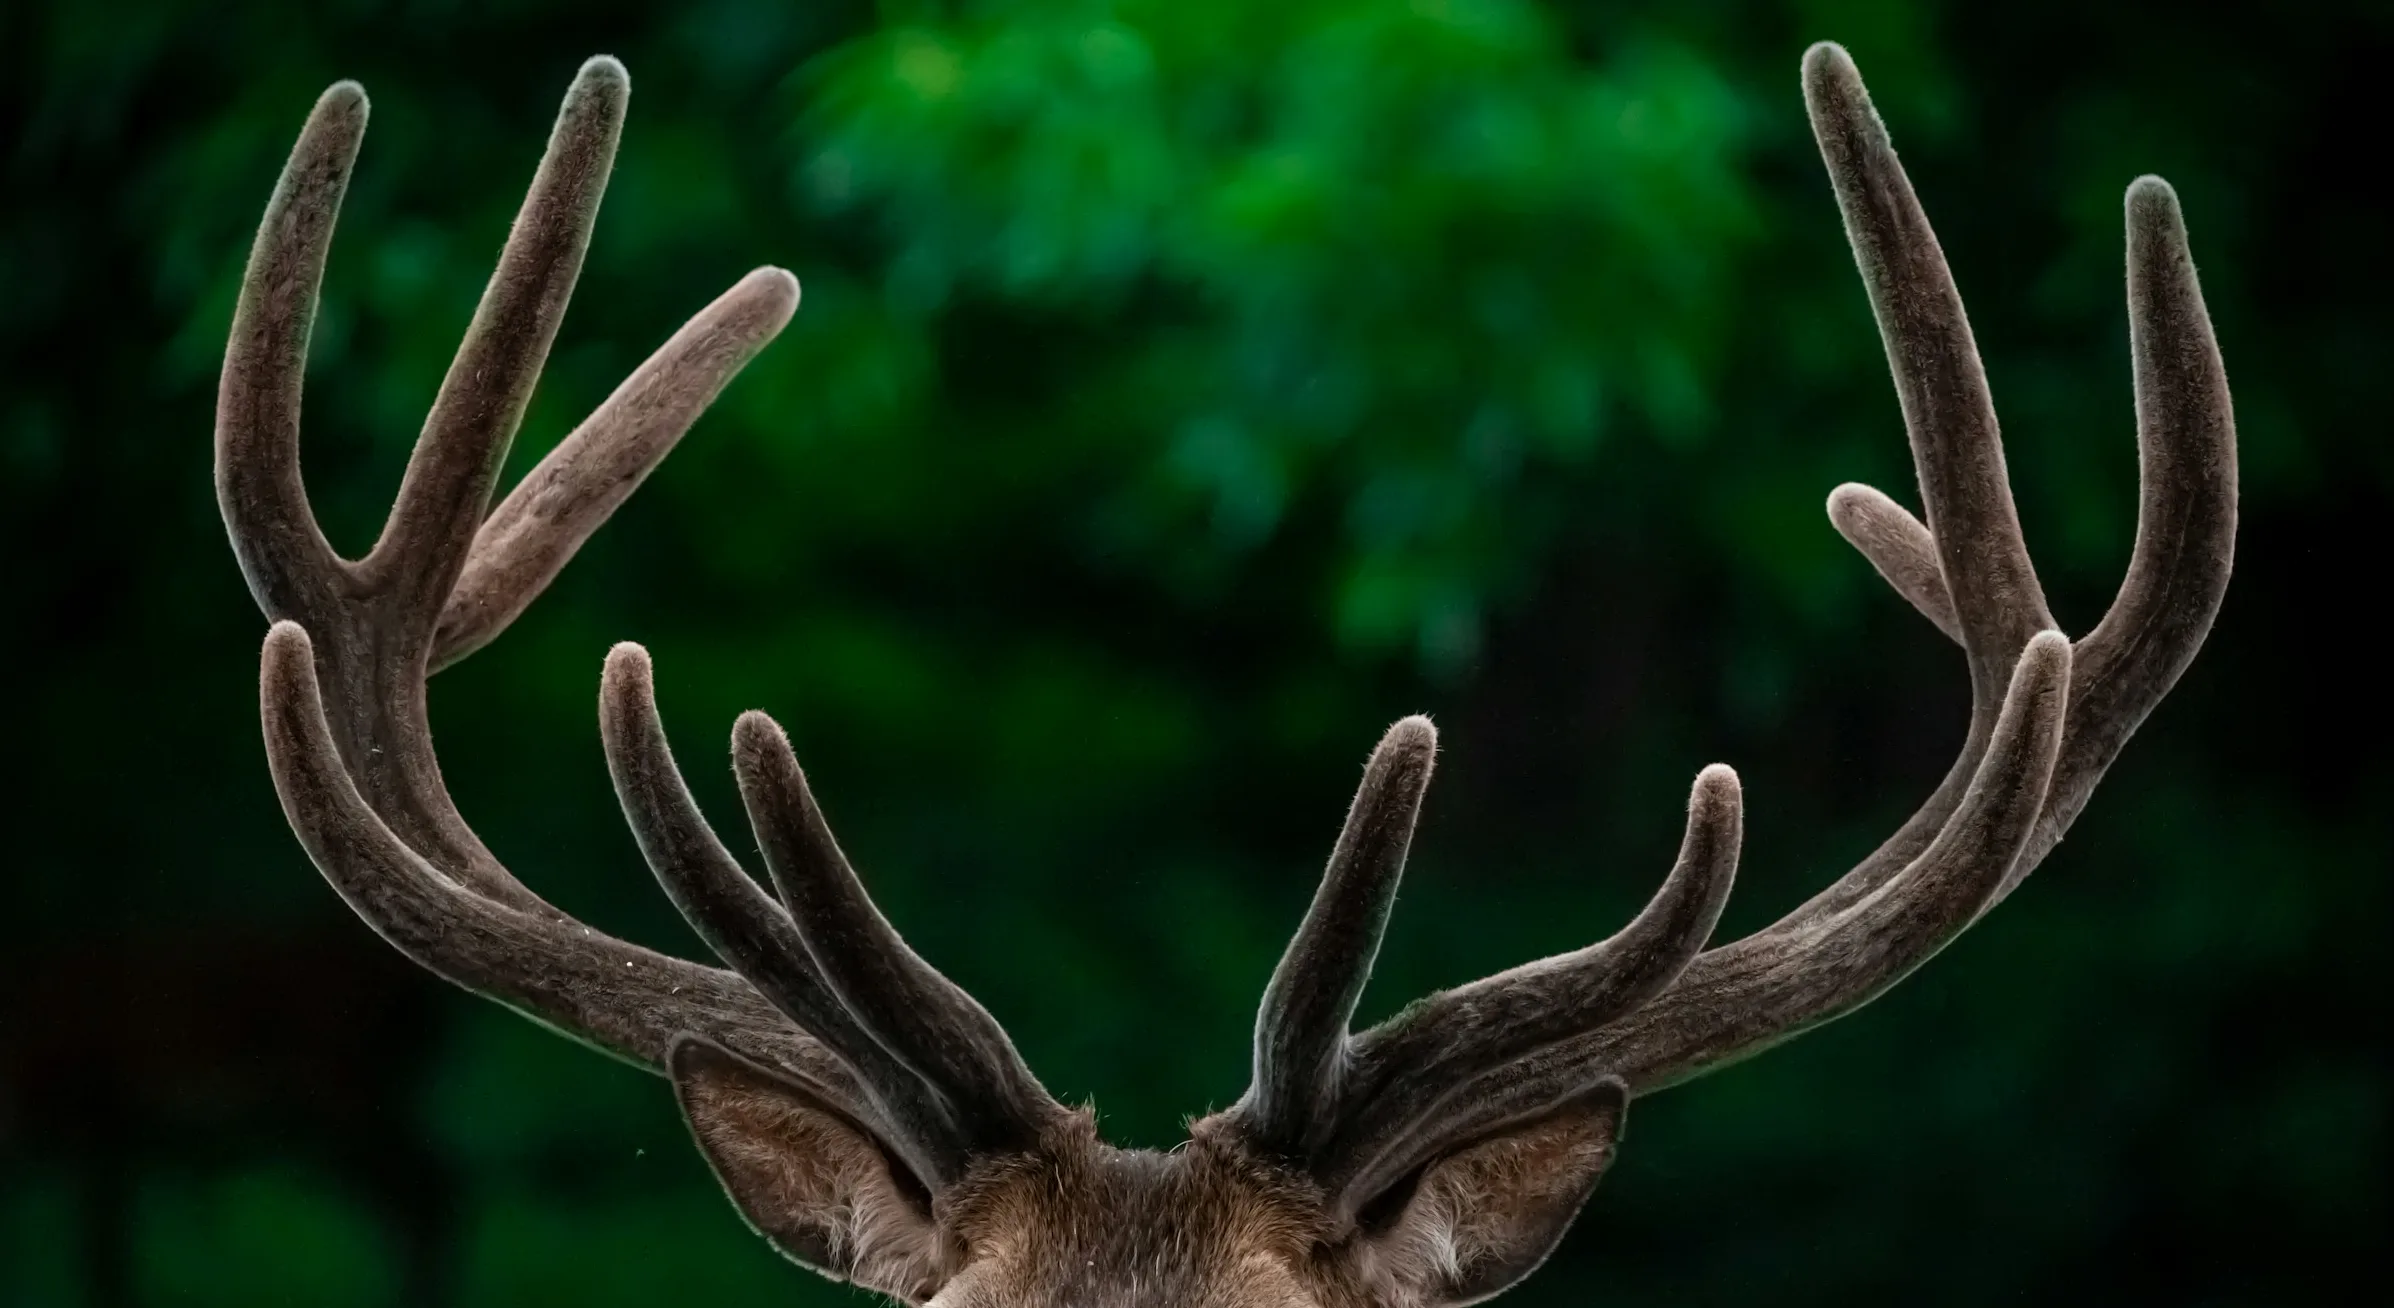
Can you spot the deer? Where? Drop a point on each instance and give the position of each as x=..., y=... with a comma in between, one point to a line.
x=869, y=1118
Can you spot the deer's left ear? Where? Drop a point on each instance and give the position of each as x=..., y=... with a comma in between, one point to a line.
x=1476, y=1220
x=809, y=1178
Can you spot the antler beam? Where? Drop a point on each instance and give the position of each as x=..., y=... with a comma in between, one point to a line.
x=2047, y=717
x=847, y=1011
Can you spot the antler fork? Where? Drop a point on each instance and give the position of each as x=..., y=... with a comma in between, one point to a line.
x=837, y=1002
x=1651, y=1007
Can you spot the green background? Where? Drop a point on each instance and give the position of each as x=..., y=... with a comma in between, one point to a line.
x=1182, y=392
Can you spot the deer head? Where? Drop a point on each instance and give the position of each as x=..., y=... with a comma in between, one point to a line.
x=875, y=1123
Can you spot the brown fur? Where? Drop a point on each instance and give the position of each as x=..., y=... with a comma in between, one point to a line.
x=1076, y=1221
x=1084, y=1223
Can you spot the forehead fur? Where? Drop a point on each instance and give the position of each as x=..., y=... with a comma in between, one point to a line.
x=1082, y=1224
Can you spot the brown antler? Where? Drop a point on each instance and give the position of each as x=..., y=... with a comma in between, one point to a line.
x=2047, y=718
x=1449, y=1147
x=342, y=685
x=1310, y=1079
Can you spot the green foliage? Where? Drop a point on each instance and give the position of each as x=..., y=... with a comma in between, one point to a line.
x=1181, y=393
x=1404, y=259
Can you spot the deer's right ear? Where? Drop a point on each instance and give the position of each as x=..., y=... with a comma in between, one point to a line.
x=806, y=1176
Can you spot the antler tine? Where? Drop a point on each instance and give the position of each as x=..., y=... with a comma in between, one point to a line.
x=2044, y=722
x=377, y=702
x=924, y=1020
x=1407, y=1069
x=291, y=568
x=1726, y=1004
x=2186, y=516
x=2186, y=438
x=1301, y=1029
x=1943, y=389
x=1741, y=998
x=1980, y=560
x=1971, y=575
x=2186, y=521
x=1737, y=999
x=740, y=922
x=537, y=528
x=446, y=492
x=362, y=785
x=699, y=875
x=1898, y=546
x=615, y=996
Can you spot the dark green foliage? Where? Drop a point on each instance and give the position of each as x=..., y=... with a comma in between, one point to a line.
x=1182, y=393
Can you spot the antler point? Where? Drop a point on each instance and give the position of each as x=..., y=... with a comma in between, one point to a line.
x=346, y=94
x=757, y=735
x=2152, y=203
x=1827, y=63
x=627, y=663
x=604, y=67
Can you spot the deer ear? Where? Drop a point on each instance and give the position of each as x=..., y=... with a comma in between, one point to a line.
x=807, y=1176
x=1478, y=1219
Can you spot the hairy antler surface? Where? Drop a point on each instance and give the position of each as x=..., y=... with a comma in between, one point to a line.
x=2047, y=717
x=832, y=997
x=1430, y=1160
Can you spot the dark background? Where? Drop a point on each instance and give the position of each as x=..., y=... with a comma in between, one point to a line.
x=1182, y=392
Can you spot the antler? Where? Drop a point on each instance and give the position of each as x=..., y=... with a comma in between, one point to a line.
x=2047, y=718
x=342, y=686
